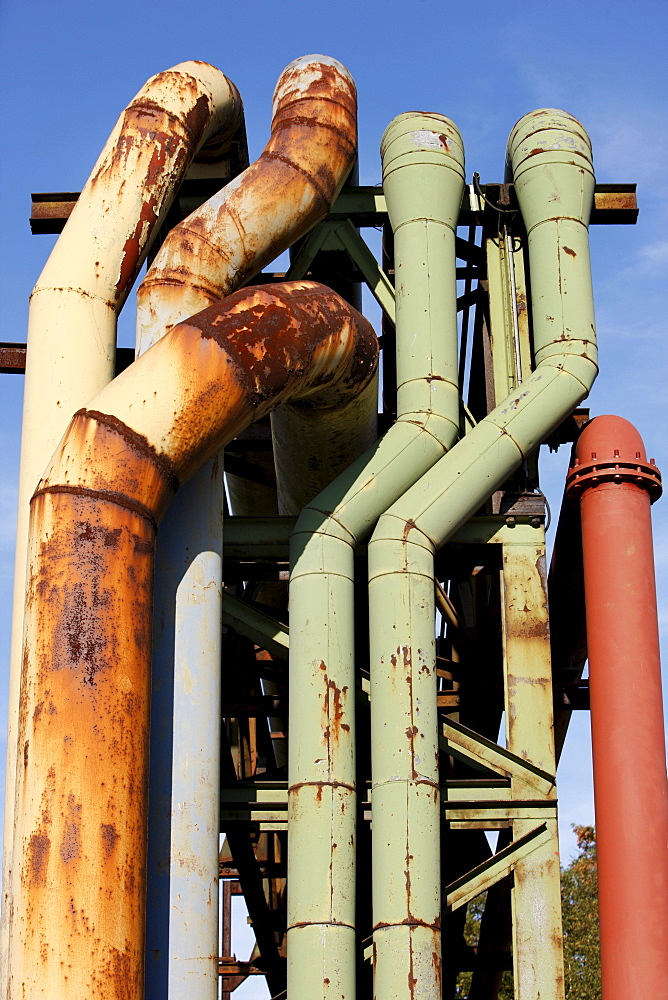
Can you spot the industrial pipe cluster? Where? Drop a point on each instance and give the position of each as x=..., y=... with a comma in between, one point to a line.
x=109, y=604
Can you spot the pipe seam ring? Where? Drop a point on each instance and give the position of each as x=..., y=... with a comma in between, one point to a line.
x=106, y=496
x=389, y=520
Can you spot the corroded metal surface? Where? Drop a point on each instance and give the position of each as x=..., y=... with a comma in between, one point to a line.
x=72, y=324
x=81, y=796
x=537, y=935
x=265, y=209
x=83, y=734
x=614, y=204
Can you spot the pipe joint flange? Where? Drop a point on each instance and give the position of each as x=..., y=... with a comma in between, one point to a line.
x=610, y=450
x=394, y=529
x=583, y=477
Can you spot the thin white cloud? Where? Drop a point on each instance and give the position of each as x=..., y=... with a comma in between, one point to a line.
x=654, y=257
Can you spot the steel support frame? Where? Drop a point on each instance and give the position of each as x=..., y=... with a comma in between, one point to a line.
x=516, y=789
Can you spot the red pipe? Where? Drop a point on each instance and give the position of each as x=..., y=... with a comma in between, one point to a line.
x=615, y=486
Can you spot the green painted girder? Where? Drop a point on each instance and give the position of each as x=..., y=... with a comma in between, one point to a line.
x=481, y=753
x=260, y=628
x=467, y=887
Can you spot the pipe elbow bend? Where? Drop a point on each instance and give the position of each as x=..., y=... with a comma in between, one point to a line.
x=442, y=428
x=213, y=111
x=395, y=526
x=581, y=366
x=398, y=547
x=187, y=111
x=276, y=200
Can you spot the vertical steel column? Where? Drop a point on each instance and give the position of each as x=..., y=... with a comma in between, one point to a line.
x=184, y=779
x=615, y=485
x=536, y=903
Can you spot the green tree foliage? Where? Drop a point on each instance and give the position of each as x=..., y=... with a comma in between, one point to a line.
x=579, y=907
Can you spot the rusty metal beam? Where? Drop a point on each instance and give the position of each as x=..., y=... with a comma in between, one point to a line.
x=614, y=204
x=13, y=359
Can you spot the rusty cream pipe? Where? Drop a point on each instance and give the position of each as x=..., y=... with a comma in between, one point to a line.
x=264, y=210
x=261, y=212
x=187, y=111
x=423, y=176
x=78, y=908
x=551, y=165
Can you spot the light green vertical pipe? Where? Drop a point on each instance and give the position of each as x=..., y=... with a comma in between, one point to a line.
x=423, y=172
x=550, y=158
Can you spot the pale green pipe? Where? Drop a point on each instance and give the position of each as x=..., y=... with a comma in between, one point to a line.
x=551, y=162
x=423, y=173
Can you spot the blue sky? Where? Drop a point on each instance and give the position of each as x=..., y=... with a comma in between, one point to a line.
x=68, y=69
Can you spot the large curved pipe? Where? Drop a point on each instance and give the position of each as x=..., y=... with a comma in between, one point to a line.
x=78, y=909
x=266, y=208
x=263, y=211
x=188, y=111
x=423, y=177
x=550, y=158
x=615, y=486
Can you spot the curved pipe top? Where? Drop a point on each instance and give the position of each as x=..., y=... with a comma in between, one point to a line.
x=219, y=370
x=312, y=77
x=189, y=110
x=417, y=141
x=611, y=450
x=549, y=137
x=266, y=208
x=608, y=437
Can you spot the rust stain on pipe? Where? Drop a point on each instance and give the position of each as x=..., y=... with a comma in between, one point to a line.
x=170, y=121
x=174, y=137
x=81, y=795
x=280, y=197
